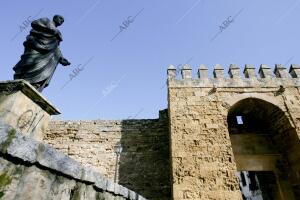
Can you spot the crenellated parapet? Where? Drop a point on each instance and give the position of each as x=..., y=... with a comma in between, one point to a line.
x=266, y=77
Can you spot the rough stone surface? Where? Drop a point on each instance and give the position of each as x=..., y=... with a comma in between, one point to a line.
x=204, y=164
x=33, y=170
x=143, y=166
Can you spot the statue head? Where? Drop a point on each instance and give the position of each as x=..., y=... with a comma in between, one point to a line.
x=58, y=20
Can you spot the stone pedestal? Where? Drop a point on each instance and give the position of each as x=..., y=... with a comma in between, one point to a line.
x=24, y=108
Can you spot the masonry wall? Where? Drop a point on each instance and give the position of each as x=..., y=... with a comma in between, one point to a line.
x=202, y=157
x=33, y=170
x=203, y=162
x=143, y=165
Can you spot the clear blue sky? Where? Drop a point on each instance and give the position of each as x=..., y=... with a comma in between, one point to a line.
x=124, y=78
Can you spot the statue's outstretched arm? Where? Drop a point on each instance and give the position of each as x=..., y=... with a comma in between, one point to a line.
x=64, y=61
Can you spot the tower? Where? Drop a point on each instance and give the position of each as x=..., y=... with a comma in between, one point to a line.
x=222, y=126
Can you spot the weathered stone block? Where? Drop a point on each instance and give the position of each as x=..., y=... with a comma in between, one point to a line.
x=24, y=108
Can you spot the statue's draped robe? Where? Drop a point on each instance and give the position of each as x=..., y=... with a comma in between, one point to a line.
x=41, y=55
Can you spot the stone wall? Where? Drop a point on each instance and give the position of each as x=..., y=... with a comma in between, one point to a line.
x=202, y=157
x=143, y=165
x=203, y=162
x=32, y=170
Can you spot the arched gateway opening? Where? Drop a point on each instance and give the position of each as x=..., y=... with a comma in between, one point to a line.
x=266, y=150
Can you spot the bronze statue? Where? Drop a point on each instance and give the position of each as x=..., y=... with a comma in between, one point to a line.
x=42, y=54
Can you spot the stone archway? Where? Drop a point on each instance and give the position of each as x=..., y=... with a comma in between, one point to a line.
x=265, y=147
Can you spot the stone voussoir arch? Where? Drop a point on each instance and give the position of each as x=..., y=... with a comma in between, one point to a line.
x=278, y=103
x=232, y=100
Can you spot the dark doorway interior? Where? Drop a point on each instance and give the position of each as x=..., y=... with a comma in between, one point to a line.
x=258, y=185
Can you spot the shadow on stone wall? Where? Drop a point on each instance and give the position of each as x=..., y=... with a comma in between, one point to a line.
x=144, y=164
